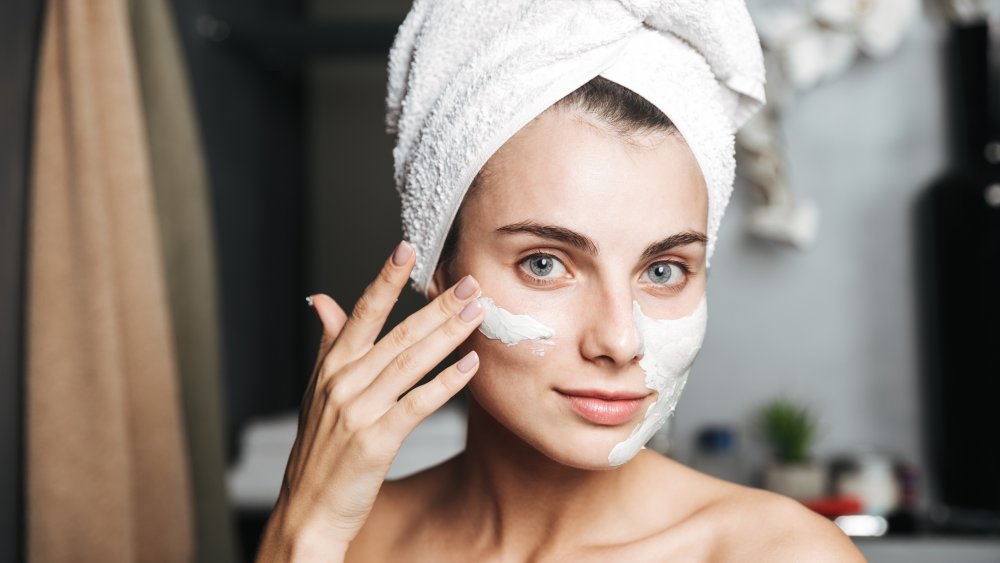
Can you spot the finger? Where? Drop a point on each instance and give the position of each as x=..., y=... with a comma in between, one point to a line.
x=411, y=364
x=419, y=403
x=372, y=309
x=332, y=318
x=418, y=325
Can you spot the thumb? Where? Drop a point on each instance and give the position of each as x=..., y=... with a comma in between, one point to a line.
x=332, y=317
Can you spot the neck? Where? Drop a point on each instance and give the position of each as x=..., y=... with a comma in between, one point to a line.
x=521, y=501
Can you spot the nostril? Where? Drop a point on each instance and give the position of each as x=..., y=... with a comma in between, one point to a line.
x=640, y=350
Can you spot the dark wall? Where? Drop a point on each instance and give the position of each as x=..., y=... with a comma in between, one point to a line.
x=249, y=113
x=19, y=26
x=248, y=61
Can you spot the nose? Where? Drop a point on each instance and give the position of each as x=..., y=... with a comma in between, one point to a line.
x=610, y=335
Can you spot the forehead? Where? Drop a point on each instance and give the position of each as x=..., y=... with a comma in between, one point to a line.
x=564, y=168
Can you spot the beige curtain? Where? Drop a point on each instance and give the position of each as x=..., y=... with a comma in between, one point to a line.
x=184, y=213
x=107, y=468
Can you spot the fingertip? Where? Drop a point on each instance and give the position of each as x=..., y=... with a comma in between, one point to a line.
x=330, y=313
x=467, y=363
x=472, y=311
x=403, y=253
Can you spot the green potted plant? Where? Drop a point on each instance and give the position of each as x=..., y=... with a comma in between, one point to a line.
x=790, y=430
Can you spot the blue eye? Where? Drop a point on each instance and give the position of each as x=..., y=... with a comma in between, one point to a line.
x=665, y=273
x=541, y=265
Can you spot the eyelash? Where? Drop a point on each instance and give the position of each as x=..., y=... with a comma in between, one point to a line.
x=684, y=267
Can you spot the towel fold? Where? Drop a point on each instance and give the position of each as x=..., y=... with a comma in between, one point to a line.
x=465, y=76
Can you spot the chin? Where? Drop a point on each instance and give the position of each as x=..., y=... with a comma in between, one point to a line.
x=583, y=449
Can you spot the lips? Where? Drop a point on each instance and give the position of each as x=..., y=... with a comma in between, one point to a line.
x=607, y=408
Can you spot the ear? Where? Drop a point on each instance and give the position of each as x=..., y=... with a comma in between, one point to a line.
x=438, y=283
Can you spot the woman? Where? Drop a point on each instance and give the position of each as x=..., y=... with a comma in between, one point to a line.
x=594, y=218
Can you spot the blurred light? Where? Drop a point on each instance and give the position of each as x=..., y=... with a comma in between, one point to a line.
x=992, y=195
x=862, y=525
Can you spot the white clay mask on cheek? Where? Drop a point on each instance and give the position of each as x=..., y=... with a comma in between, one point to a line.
x=500, y=324
x=668, y=348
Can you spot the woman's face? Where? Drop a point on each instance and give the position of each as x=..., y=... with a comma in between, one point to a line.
x=571, y=225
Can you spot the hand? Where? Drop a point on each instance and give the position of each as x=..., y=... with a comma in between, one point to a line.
x=353, y=421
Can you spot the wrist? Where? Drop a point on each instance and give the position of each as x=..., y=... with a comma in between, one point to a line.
x=306, y=551
x=287, y=540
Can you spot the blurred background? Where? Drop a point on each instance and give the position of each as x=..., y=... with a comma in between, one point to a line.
x=177, y=175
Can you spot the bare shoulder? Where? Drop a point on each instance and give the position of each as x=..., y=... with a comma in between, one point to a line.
x=717, y=521
x=765, y=526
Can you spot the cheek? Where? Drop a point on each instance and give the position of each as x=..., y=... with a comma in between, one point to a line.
x=518, y=331
x=506, y=368
x=677, y=306
x=513, y=379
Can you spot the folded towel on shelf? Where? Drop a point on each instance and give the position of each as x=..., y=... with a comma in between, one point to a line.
x=465, y=76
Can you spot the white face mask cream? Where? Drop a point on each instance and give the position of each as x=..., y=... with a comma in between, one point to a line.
x=668, y=348
x=500, y=324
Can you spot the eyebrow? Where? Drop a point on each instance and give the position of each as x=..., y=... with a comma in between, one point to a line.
x=585, y=244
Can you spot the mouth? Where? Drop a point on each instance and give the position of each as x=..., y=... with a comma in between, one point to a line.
x=606, y=408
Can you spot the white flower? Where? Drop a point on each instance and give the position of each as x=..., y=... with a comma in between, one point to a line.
x=879, y=25
x=818, y=54
x=883, y=25
x=819, y=43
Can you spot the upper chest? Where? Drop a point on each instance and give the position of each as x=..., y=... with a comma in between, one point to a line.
x=690, y=542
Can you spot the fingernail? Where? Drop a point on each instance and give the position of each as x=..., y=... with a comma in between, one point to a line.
x=402, y=253
x=309, y=300
x=468, y=362
x=470, y=311
x=466, y=288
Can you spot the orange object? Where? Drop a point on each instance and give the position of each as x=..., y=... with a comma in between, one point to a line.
x=832, y=506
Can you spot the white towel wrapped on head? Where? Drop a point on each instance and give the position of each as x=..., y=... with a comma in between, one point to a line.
x=466, y=75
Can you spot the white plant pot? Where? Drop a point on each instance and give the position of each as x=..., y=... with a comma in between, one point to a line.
x=801, y=481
